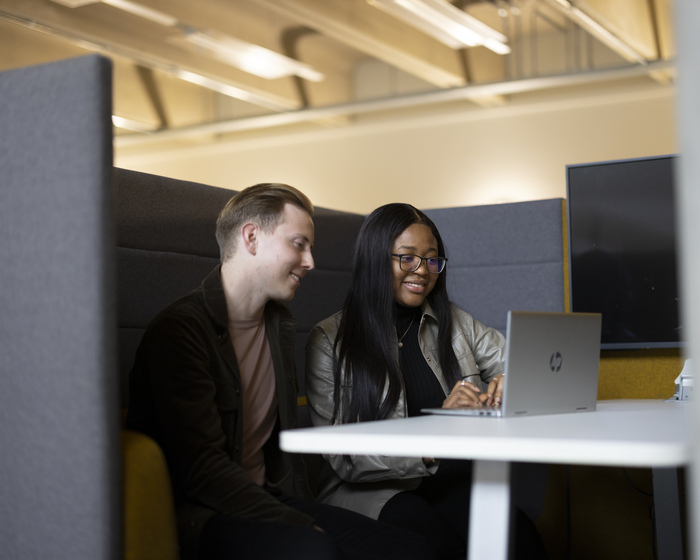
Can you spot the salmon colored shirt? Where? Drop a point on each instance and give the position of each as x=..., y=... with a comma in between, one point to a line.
x=258, y=389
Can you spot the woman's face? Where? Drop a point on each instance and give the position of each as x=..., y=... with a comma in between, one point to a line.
x=411, y=288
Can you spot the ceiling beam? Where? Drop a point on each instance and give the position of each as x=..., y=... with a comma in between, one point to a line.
x=153, y=93
x=633, y=25
x=378, y=35
x=351, y=23
x=149, y=48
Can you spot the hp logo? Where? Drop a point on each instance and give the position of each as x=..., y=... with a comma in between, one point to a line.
x=555, y=361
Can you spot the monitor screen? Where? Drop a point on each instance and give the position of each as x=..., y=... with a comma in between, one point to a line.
x=622, y=250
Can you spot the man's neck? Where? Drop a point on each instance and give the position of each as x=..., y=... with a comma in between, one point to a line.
x=243, y=300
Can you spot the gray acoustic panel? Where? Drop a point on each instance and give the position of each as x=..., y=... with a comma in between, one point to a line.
x=504, y=256
x=150, y=280
x=165, y=247
x=59, y=428
x=167, y=215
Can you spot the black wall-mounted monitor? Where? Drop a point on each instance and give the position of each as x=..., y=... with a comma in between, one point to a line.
x=622, y=250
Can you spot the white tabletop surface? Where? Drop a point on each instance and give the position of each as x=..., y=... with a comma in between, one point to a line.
x=639, y=433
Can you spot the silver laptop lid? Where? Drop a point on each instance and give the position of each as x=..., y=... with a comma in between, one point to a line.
x=552, y=362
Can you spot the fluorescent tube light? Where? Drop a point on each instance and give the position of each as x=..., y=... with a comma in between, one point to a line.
x=126, y=6
x=143, y=11
x=601, y=33
x=133, y=126
x=76, y=3
x=251, y=58
x=215, y=85
x=446, y=23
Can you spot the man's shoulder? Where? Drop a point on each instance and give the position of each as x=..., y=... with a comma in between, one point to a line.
x=196, y=304
x=188, y=309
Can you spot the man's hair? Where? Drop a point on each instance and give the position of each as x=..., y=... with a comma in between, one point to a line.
x=261, y=204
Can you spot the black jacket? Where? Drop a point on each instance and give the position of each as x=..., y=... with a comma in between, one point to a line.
x=185, y=393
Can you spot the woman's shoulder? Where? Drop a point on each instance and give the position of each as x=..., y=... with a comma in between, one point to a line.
x=328, y=327
x=460, y=314
x=463, y=321
x=332, y=321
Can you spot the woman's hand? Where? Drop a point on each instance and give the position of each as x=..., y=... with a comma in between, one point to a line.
x=462, y=394
x=494, y=393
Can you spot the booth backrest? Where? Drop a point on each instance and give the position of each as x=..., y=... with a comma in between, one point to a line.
x=60, y=459
x=503, y=257
x=166, y=246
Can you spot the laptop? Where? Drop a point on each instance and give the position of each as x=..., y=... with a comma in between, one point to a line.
x=551, y=366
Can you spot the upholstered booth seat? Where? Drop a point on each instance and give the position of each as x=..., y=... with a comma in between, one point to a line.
x=150, y=531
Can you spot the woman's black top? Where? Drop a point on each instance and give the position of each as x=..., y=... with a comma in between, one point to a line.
x=423, y=390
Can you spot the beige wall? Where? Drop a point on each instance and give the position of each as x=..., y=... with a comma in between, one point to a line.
x=450, y=158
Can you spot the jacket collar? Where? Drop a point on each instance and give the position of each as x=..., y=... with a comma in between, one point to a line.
x=215, y=302
x=428, y=311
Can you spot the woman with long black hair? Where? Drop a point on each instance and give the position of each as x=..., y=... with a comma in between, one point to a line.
x=397, y=346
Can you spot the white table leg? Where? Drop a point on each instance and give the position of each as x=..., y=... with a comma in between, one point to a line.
x=489, y=514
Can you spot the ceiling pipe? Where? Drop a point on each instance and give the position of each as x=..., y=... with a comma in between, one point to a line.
x=402, y=102
x=570, y=9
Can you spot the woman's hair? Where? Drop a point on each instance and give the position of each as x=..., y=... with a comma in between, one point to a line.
x=366, y=341
x=262, y=204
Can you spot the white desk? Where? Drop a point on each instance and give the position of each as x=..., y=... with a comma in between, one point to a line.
x=631, y=433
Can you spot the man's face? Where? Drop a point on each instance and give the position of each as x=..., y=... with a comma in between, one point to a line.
x=285, y=254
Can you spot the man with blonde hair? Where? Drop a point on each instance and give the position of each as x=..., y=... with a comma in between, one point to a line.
x=214, y=382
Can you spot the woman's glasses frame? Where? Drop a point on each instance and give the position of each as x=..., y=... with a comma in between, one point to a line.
x=411, y=263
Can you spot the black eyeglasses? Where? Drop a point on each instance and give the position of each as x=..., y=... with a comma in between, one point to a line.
x=411, y=263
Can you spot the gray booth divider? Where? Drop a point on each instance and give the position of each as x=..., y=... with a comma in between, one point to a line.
x=60, y=459
x=504, y=256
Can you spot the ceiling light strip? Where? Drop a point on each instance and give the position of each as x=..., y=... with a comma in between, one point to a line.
x=132, y=125
x=251, y=58
x=446, y=23
x=600, y=32
x=143, y=11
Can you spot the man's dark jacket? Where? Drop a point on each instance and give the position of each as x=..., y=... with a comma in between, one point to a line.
x=185, y=393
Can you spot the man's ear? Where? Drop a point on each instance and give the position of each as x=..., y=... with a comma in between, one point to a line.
x=249, y=235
